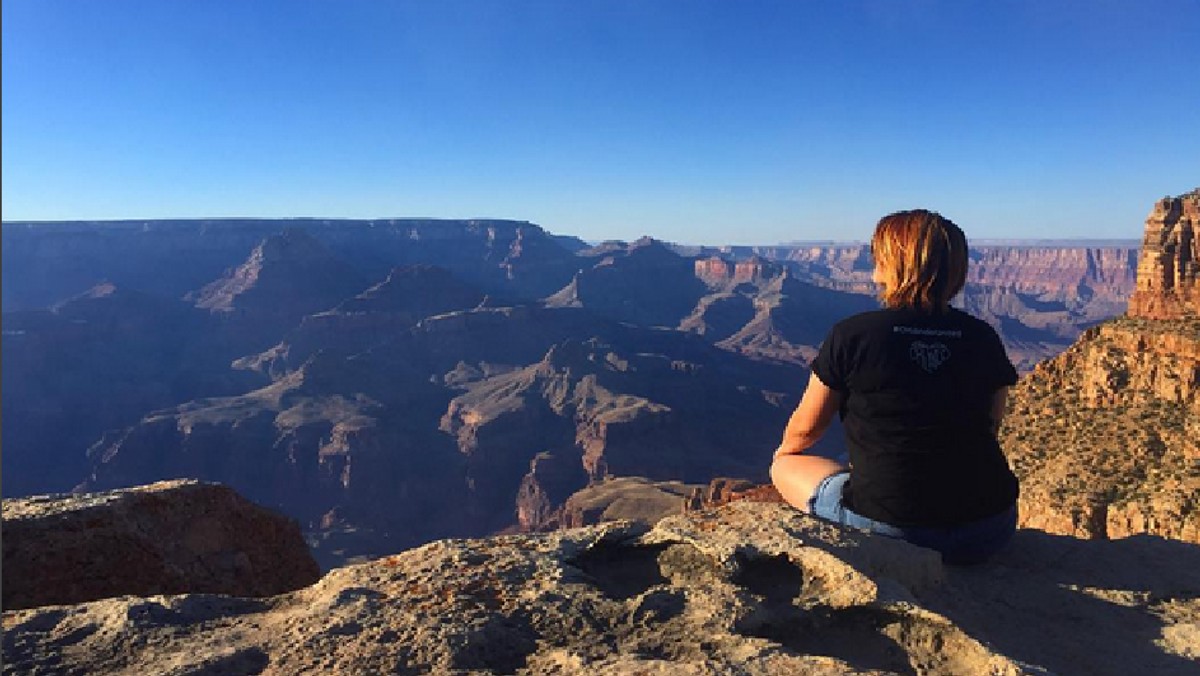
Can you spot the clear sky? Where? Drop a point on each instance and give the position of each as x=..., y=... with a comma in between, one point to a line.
x=700, y=122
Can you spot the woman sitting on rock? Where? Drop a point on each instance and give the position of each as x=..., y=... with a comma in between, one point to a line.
x=920, y=388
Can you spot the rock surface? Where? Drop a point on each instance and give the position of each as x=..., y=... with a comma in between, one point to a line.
x=1168, y=276
x=164, y=538
x=746, y=589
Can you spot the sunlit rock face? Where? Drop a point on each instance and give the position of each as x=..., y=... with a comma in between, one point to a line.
x=1104, y=436
x=1168, y=284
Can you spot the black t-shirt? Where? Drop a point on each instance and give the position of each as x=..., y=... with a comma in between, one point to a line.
x=917, y=392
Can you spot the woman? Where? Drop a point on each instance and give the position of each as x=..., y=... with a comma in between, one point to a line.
x=920, y=388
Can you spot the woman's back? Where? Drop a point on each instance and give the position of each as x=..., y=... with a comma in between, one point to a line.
x=917, y=390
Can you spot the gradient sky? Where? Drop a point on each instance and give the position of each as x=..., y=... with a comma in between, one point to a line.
x=699, y=122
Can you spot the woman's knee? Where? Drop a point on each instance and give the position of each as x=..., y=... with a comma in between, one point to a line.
x=796, y=477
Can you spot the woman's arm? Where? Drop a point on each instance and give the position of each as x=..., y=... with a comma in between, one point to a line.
x=999, y=404
x=810, y=419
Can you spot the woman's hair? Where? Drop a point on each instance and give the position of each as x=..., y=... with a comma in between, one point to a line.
x=921, y=259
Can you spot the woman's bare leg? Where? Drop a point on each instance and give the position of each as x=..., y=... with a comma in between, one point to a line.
x=797, y=476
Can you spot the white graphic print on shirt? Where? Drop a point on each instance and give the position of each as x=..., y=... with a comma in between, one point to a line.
x=928, y=355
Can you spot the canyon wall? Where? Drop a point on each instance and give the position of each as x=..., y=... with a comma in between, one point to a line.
x=357, y=373
x=47, y=262
x=1106, y=436
x=1039, y=297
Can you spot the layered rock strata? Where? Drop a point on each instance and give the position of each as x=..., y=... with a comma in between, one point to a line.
x=747, y=589
x=1039, y=297
x=717, y=271
x=164, y=538
x=1168, y=276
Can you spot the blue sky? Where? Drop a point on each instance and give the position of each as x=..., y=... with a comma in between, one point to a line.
x=700, y=122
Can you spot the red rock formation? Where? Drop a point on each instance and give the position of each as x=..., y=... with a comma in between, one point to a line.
x=1168, y=280
x=714, y=269
x=723, y=490
x=756, y=268
x=166, y=538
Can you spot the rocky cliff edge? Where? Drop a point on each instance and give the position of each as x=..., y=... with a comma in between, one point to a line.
x=749, y=588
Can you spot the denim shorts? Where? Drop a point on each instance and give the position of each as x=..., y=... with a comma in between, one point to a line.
x=967, y=544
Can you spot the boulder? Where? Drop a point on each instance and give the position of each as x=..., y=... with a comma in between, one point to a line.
x=171, y=537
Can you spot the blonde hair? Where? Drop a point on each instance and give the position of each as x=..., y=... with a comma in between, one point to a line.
x=920, y=258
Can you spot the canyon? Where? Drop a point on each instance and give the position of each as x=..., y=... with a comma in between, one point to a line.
x=392, y=382
x=606, y=424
